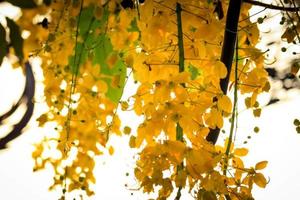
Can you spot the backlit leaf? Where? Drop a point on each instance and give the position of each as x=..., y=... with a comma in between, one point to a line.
x=295, y=67
x=257, y=112
x=224, y=103
x=103, y=54
x=220, y=69
x=260, y=180
x=111, y=150
x=289, y=35
x=132, y=141
x=194, y=71
x=261, y=165
x=127, y=130
x=117, y=72
x=241, y=151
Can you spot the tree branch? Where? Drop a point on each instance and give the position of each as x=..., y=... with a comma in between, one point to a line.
x=228, y=48
x=273, y=7
x=28, y=95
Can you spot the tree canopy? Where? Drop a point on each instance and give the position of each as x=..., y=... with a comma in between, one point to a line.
x=183, y=55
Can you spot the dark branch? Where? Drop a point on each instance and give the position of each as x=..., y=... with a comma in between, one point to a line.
x=228, y=48
x=12, y=110
x=273, y=7
x=28, y=95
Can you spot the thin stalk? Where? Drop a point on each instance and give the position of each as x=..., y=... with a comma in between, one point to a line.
x=72, y=89
x=273, y=7
x=233, y=114
x=234, y=110
x=74, y=75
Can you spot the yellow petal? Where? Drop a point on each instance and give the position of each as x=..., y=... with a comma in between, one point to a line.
x=214, y=118
x=111, y=60
x=261, y=165
x=132, y=141
x=111, y=150
x=253, y=98
x=257, y=112
x=260, y=180
x=99, y=12
x=266, y=87
x=176, y=149
x=42, y=119
x=225, y=104
x=127, y=130
x=220, y=69
x=124, y=105
x=241, y=151
x=102, y=86
x=129, y=60
x=115, y=81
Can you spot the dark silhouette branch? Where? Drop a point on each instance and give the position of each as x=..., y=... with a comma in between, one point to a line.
x=228, y=48
x=27, y=95
x=273, y=7
x=12, y=110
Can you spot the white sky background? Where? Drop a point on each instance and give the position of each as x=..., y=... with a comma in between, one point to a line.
x=276, y=142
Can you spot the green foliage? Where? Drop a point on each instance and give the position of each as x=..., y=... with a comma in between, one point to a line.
x=99, y=48
x=102, y=52
x=194, y=71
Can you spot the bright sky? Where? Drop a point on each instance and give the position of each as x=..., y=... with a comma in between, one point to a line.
x=276, y=142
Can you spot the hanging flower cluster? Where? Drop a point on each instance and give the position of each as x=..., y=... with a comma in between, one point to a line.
x=173, y=49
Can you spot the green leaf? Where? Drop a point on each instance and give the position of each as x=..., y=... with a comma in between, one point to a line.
x=101, y=53
x=3, y=43
x=133, y=26
x=23, y=3
x=86, y=17
x=194, y=71
x=88, y=22
x=98, y=47
x=80, y=56
x=87, y=25
x=15, y=38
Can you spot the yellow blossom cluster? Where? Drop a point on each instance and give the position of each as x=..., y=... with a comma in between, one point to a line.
x=173, y=49
x=75, y=92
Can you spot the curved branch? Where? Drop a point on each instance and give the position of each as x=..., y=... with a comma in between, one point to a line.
x=28, y=95
x=273, y=7
x=12, y=110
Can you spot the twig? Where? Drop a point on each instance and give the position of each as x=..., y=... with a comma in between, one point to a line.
x=273, y=7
